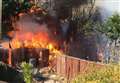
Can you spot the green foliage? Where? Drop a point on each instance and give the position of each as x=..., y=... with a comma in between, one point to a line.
x=3, y=66
x=68, y=3
x=109, y=74
x=111, y=28
x=14, y=7
x=88, y=28
x=10, y=12
x=27, y=72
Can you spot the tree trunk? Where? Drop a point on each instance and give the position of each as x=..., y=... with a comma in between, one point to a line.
x=0, y=17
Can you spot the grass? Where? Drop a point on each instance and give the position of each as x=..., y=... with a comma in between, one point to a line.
x=109, y=74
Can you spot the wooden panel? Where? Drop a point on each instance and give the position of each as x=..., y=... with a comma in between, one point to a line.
x=70, y=67
x=41, y=55
x=3, y=55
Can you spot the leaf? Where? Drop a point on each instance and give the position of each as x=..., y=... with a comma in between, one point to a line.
x=112, y=27
x=27, y=72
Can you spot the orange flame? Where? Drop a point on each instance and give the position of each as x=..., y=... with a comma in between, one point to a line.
x=39, y=40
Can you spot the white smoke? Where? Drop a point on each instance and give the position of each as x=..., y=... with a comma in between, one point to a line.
x=108, y=7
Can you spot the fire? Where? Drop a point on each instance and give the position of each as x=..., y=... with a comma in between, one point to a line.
x=39, y=40
x=34, y=38
x=35, y=35
x=20, y=14
x=50, y=46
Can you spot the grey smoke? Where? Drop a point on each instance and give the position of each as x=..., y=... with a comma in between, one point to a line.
x=27, y=24
x=107, y=8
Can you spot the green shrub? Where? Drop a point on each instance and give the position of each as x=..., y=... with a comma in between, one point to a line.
x=27, y=72
x=109, y=74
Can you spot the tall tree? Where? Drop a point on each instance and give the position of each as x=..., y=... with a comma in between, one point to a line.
x=111, y=29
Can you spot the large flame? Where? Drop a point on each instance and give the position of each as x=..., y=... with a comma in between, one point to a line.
x=38, y=40
x=29, y=36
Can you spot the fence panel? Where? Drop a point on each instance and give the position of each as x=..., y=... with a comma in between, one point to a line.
x=70, y=66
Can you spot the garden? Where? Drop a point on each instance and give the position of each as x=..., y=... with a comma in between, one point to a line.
x=50, y=41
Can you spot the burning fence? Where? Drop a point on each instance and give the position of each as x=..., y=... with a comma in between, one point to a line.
x=33, y=40
x=40, y=49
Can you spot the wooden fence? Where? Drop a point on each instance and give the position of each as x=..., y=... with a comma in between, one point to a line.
x=70, y=67
x=66, y=66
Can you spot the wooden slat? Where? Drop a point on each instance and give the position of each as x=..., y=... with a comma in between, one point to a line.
x=16, y=56
x=71, y=67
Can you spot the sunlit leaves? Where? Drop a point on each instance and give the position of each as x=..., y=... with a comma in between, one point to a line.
x=27, y=72
x=111, y=27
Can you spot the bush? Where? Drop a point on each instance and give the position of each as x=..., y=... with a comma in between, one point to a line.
x=27, y=72
x=109, y=74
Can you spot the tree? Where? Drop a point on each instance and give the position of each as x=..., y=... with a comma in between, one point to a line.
x=0, y=16
x=111, y=29
x=11, y=10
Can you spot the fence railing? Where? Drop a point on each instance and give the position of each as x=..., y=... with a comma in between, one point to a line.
x=70, y=67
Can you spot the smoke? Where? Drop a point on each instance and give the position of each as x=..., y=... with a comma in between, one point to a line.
x=28, y=24
x=108, y=7
x=28, y=29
